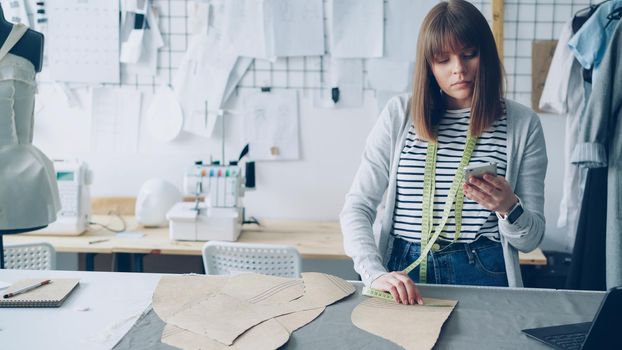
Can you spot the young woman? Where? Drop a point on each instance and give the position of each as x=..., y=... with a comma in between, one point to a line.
x=471, y=229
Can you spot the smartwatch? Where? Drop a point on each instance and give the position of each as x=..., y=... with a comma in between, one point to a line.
x=515, y=212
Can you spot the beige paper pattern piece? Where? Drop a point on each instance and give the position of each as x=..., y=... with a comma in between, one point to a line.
x=236, y=316
x=297, y=320
x=266, y=335
x=322, y=289
x=387, y=319
x=272, y=289
x=241, y=303
x=175, y=293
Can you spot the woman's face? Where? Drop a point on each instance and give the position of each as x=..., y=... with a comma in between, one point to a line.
x=455, y=74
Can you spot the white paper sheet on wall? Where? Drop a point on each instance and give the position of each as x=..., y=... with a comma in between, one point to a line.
x=83, y=40
x=238, y=71
x=210, y=70
x=403, y=19
x=357, y=28
x=201, y=81
x=15, y=11
x=244, y=29
x=271, y=125
x=345, y=75
x=389, y=75
x=164, y=119
x=296, y=27
x=115, y=116
x=147, y=63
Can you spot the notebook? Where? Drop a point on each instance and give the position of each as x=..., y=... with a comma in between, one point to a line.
x=49, y=295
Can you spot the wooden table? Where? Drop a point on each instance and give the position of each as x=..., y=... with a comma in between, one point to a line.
x=313, y=239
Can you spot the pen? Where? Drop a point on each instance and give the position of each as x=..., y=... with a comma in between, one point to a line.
x=98, y=241
x=26, y=289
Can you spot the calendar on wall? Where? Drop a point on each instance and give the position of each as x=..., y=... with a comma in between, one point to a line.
x=83, y=41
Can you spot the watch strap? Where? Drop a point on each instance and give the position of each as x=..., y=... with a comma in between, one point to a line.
x=515, y=213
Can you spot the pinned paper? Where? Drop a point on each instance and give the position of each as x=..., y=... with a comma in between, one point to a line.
x=353, y=20
x=132, y=48
x=164, y=117
x=244, y=28
x=296, y=28
x=271, y=125
x=115, y=115
x=152, y=41
x=201, y=82
x=84, y=45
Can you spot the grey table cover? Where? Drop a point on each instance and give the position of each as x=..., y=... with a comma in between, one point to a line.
x=485, y=318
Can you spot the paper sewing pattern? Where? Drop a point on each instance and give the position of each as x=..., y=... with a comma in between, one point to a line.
x=296, y=28
x=115, y=116
x=209, y=72
x=164, y=117
x=269, y=28
x=386, y=319
x=271, y=125
x=83, y=41
x=353, y=20
x=251, y=309
x=152, y=41
x=244, y=28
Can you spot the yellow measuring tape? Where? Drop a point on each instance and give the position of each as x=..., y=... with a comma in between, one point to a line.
x=427, y=239
x=384, y=295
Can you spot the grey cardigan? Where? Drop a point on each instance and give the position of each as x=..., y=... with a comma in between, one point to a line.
x=526, y=169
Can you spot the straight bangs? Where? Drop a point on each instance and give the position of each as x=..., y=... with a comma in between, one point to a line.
x=448, y=34
x=451, y=27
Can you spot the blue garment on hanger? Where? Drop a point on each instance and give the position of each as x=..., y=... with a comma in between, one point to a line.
x=590, y=42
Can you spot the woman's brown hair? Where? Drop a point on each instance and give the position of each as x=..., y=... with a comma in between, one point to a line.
x=449, y=27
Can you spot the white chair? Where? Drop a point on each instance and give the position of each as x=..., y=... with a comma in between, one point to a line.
x=30, y=256
x=223, y=258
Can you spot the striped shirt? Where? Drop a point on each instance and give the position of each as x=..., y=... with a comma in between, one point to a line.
x=452, y=135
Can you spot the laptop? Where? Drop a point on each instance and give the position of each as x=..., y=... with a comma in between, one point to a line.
x=604, y=332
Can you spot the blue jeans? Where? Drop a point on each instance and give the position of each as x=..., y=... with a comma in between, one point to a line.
x=478, y=263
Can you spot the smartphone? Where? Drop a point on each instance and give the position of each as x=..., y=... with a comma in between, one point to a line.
x=478, y=170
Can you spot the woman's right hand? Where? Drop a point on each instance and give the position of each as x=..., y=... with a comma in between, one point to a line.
x=401, y=287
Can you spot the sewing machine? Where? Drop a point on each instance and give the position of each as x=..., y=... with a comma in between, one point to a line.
x=74, y=178
x=217, y=211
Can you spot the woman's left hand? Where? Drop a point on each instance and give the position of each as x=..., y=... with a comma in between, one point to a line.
x=491, y=192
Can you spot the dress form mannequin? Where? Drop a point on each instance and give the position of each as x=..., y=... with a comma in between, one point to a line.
x=29, y=47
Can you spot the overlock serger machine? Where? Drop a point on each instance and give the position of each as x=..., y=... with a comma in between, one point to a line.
x=217, y=213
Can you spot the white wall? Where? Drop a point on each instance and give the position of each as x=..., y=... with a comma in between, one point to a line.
x=311, y=188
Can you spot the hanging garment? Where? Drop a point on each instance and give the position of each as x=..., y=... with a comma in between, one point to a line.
x=587, y=269
x=28, y=189
x=600, y=145
x=564, y=93
x=590, y=42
